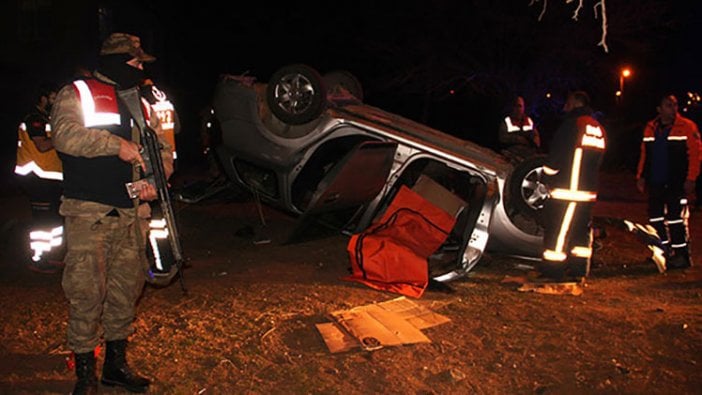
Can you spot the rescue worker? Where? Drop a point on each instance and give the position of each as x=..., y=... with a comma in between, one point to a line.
x=39, y=174
x=170, y=123
x=518, y=129
x=105, y=262
x=571, y=173
x=668, y=167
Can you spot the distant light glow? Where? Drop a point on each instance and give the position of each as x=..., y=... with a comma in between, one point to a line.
x=618, y=93
x=548, y=95
x=626, y=72
x=452, y=91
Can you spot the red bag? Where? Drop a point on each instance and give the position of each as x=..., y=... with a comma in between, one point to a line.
x=391, y=255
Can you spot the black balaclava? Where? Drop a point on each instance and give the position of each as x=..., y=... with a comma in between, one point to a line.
x=115, y=67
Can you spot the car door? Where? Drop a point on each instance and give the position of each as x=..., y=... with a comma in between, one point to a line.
x=347, y=187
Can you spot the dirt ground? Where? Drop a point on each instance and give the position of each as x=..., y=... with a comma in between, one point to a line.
x=247, y=324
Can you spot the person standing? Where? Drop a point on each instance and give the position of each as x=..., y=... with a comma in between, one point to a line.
x=104, y=275
x=668, y=167
x=571, y=173
x=39, y=174
x=517, y=131
x=160, y=103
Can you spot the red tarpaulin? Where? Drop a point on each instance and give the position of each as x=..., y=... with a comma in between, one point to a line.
x=391, y=255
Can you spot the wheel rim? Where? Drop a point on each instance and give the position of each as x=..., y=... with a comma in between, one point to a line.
x=294, y=93
x=534, y=192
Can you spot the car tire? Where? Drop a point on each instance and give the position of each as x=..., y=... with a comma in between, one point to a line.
x=526, y=192
x=296, y=94
x=346, y=80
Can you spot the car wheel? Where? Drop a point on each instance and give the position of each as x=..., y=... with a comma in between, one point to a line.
x=526, y=191
x=296, y=94
x=346, y=80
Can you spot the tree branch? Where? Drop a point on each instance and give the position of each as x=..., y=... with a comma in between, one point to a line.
x=543, y=11
x=603, y=41
x=576, y=13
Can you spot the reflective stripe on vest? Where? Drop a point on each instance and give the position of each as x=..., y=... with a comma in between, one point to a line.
x=93, y=116
x=593, y=137
x=670, y=138
x=45, y=165
x=511, y=128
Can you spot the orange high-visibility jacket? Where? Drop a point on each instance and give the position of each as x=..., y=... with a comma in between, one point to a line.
x=683, y=145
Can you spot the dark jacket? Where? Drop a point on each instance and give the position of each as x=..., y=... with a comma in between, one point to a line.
x=682, y=151
x=576, y=153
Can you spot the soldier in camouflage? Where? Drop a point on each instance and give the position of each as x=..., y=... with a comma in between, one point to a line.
x=105, y=262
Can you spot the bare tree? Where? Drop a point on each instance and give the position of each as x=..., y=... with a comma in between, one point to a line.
x=601, y=5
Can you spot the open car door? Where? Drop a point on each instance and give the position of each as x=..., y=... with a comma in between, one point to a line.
x=347, y=187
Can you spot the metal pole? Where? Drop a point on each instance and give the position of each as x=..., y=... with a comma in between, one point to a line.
x=621, y=84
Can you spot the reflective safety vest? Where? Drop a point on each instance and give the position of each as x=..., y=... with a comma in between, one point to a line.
x=165, y=111
x=100, y=179
x=46, y=165
x=527, y=126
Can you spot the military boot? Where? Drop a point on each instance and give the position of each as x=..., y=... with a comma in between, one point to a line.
x=85, y=371
x=116, y=372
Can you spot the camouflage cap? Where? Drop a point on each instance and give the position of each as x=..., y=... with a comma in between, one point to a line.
x=123, y=43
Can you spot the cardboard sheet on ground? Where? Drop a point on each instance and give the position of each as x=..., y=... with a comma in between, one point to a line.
x=391, y=323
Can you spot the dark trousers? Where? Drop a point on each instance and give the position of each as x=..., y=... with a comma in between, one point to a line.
x=665, y=215
x=567, y=238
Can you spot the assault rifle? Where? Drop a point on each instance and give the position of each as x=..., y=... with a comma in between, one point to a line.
x=163, y=244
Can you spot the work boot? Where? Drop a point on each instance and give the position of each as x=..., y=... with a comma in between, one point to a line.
x=85, y=371
x=678, y=260
x=116, y=372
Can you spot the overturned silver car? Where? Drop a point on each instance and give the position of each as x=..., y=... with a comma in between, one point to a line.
x=308, y=144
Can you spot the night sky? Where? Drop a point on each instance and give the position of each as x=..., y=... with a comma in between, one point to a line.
x=451, y=64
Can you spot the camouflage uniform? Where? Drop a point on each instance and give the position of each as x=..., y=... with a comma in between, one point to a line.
x=105, y=262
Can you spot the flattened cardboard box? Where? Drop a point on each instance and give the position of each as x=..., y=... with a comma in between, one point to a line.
x=391, y=323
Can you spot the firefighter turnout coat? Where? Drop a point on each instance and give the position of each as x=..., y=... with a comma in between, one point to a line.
x=571, y=172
